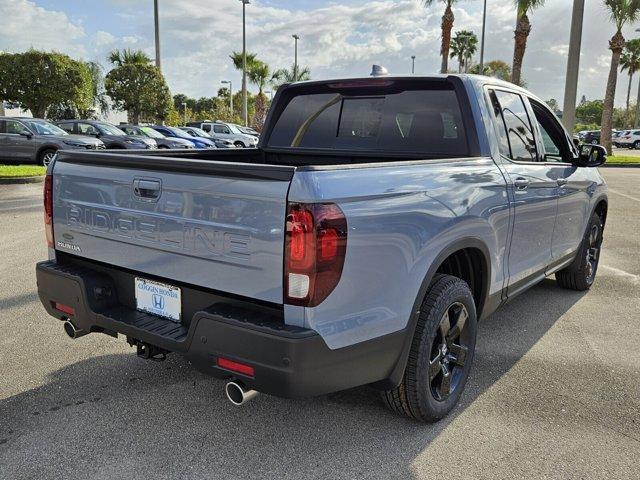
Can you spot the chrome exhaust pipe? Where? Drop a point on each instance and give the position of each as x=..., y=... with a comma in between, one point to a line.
x=73, y=332
x=238, y=394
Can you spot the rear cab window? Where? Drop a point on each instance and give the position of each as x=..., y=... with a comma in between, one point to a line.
x=386, y=116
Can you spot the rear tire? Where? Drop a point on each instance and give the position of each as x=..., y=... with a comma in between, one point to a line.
x=581, y=274
x=441, y=353
x=46, y=156
x=239, y=145
x=636, y=144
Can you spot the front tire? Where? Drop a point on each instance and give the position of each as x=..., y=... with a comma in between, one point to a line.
x=441, y=353
x=581, y=273
x=239, y=144
x=46, y=156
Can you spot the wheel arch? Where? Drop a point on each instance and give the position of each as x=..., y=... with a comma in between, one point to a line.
x=601, y=208
x=446, y=261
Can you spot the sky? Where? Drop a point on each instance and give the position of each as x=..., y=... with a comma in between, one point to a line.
x=337, y=39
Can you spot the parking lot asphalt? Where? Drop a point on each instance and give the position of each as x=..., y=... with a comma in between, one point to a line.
x=554, y=392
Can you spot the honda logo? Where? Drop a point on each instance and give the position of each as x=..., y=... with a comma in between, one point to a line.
x=158, y=301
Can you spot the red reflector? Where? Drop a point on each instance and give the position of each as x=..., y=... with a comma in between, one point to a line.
x=64, y=308
x=235, y=366
x=48, y=209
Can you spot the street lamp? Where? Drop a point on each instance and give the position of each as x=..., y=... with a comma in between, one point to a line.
x=245, y=112
x=413, y=64
x=157, y=31
x=295, y=58
x=484, y=24
x=184, y=105
x=228, y=82
x=573, y=65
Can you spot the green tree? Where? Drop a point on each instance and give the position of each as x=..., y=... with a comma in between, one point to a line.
x=494, y=68
x=285, y=75
x=37, y=80
x=446, y=27
x=521, y=34
x=552, y=103
x=129, y=57
x=463, y=47
x=139, y=89
x=590, y=112
x=621, y=13
x=630, y=61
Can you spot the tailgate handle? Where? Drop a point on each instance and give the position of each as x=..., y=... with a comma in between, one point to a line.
x=147, y=189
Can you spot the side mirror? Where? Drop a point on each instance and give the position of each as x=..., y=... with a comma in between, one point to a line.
x=24, y=133
x=591, y=155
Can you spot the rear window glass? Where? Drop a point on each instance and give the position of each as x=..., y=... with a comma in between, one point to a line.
x=419, y=121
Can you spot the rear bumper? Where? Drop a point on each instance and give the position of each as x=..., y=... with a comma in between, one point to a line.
x=288, y=361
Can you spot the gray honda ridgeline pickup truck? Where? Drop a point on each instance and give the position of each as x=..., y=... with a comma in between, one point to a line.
x=378, y=221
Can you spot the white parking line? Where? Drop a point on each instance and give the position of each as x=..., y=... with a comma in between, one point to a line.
x=625, y=195
x=621, y=273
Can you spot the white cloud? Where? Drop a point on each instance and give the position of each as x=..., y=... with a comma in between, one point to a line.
x=341, y=39
x=27, y=25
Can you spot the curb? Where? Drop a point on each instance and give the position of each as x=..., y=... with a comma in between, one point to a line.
x=14, y=180
x=620, y=165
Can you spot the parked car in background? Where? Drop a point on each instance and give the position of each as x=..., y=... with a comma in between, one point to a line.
x=175, y=132
x=629, y=139
x=160, y=139
x=227, y=131
x=33, y=140
x=112, y=136
x=247, y=130
x=591, y=137
x=199, y=133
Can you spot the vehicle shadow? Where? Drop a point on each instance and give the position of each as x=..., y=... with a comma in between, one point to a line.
x=117, y=416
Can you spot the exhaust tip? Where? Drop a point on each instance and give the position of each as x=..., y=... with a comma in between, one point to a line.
x=73, y=332
x=237, y=394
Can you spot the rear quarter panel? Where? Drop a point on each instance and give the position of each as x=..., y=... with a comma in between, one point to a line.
x=400, y=217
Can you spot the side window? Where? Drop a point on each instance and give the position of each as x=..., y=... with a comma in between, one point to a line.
x=67, y=127
x=502, y=128
x=519, y=132
x=556, y=146
x=14, y=127
x=87, y=129
x=206, y=128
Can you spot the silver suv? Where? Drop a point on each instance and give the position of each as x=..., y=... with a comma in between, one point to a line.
x=227, y=131
x=33, y=140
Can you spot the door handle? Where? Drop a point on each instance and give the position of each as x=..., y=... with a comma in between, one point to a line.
x=521, y=183
x=146, y=189
x=561, y=182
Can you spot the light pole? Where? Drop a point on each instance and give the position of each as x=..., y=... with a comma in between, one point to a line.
x=636, y=121
x=245, y=111
x=184, y=105
x=295, y=57
x=157, y=32
x=484, y=23
x=413, y=64
x=573, y=66
x=228, y=82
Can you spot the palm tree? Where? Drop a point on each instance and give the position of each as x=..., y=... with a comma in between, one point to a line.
x=128, y=57
x=236, y=58
x=284, y=75
x=463, y=46
x=446, y=27
x=630, y=61
x=259, y=73
x=523, y=28
x=621, y=13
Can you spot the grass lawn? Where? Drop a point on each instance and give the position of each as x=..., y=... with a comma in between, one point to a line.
x=21, y=170
x=611, y=159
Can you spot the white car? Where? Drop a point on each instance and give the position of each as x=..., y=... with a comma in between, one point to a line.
x=629, y=139
x=227, y=131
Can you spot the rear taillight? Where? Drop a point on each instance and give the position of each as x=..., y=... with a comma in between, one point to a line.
x=48, y=209
x=315, y=247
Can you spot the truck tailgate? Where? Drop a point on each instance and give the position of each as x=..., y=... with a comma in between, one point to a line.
x=212, y=224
